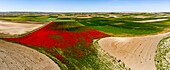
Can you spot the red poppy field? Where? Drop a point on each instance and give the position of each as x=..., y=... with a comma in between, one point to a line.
x=69, y=42
x=55, y=35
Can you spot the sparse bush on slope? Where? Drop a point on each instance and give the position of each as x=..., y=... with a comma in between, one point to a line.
x=162, y=58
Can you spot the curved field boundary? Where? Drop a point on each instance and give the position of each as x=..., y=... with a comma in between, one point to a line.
x=136, y=52
x=18, y=57
x=16, y=28
x=110, y=61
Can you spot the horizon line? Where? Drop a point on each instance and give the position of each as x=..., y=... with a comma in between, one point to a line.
x=88, y=11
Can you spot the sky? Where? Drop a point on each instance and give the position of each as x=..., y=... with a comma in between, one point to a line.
x=85, y=5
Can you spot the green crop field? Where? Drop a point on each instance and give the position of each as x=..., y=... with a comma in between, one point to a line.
x=124, y=25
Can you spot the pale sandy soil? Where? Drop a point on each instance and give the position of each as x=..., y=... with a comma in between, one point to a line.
x=136, y=52
x=84, y=17
x=155, y=20
x=161, y=16
x=18, y=57
x=142, y=16
x=17, y=28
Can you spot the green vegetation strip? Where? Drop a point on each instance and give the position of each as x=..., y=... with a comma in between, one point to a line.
x=61, y=65
x=162, y=58
x=94, y=58
x=22, y=18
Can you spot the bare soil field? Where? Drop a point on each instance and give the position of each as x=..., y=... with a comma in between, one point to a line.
x=17, y=28
x=136, y=52
x=18, y=57
x=142, y=16
x=146, y=21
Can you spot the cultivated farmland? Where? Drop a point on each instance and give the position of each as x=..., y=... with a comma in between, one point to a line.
x=89, y=41
x=71, y=45
x=15, y=57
